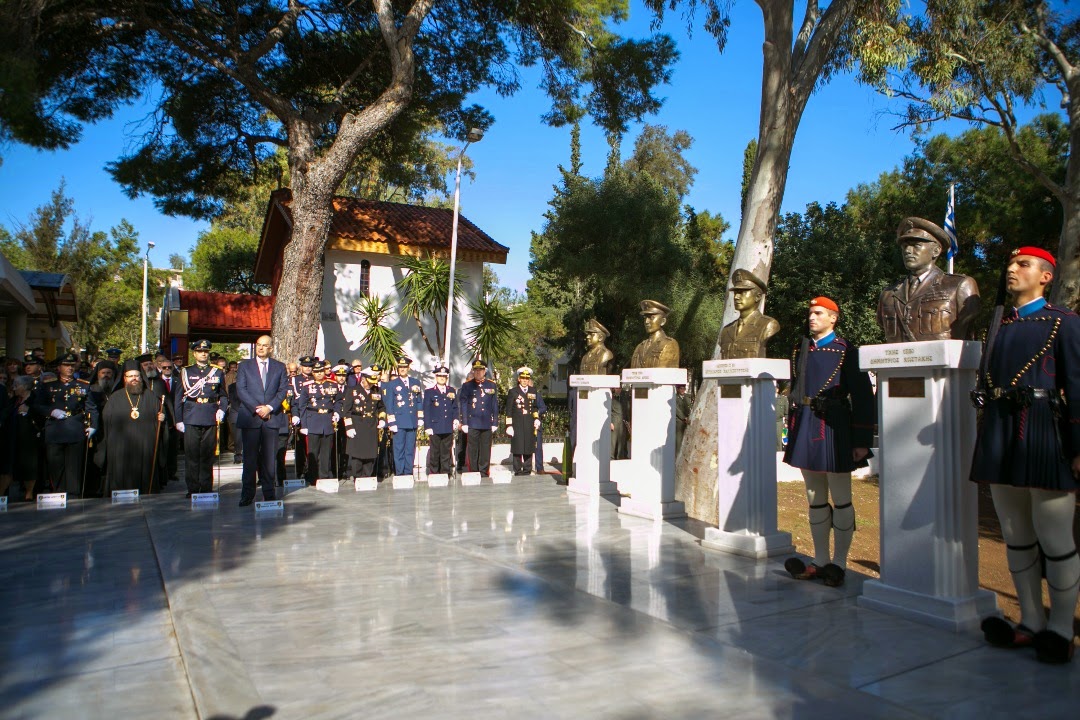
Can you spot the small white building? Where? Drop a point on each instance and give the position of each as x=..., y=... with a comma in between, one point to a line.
x=366, y=240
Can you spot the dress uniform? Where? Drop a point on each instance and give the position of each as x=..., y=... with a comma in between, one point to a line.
x=319, y=405
x=1028, y=451
x=522, y=422
x=479, y=405
x=201, y=402
x=296, y=383
x=441, y=414
x=71, y=418
x=404, y=415
x=832, y=413
x=364, y=416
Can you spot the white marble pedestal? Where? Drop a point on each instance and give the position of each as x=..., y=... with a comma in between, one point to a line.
x=929, y=510
x=592, y=454
x=746, y=457
x=652, y=444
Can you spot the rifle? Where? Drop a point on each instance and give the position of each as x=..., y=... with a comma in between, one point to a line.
x=981, y=392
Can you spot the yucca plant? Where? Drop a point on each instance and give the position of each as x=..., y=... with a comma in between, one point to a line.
x=380, y=342
x=493, y=332
x=424, y=289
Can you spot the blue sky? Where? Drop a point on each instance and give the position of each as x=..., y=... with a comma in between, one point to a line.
x=845, y=138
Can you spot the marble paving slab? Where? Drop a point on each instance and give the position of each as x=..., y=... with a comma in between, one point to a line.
x=494, y=601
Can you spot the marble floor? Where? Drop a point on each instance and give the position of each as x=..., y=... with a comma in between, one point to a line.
x=487, y=601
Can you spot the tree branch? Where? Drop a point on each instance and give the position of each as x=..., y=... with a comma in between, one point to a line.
x=1068, y=71
x=810, y=19
x=1004, y=109
x=807, y=69
x=276, y=33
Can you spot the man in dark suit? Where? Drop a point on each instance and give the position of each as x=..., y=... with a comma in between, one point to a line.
x=261, y=386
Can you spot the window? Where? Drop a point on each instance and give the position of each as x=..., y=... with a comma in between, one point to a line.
x=365, y=277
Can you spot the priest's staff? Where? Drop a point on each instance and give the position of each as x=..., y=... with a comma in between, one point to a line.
x=157, y=436
x=215, y=481
x=86, y=453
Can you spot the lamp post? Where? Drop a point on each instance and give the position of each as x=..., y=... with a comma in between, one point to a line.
x=145, y=309
x=475, y=135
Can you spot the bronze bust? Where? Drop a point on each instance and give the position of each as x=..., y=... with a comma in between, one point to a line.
x=928, y=304
x=746, y=337
x=597, y=357
x=657, y=350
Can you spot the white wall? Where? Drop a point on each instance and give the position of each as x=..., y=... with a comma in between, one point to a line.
x=340, y=331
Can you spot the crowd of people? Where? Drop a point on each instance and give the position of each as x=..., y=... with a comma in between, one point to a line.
x=88, y=426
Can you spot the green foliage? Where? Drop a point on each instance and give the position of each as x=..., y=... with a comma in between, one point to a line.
x=380, y=342
x=999, y=207
x=223, y=260
x=661, y=155
x=490, y=337
x=611, y=242
x=105, y=269
x=234, y=84
x=424, y=289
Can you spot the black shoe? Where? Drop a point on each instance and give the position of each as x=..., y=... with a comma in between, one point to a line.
x=833, y=575
x=248, y=501
x=270, y=498
x=1052, y=648
x=237, y=459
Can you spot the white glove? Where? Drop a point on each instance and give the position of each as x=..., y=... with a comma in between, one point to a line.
x=536, y=424
x=57, y=414
x=496, y=427
x=219, y=415
x=295, y=420
x=303, y=431
x=429, y=432
x=509, y=430
x=393, y=428
x=335, y=417
x=382, y=424
x=465, y=429
x=457, y=424
x=180, y=427
x=350, y=433
x=90, y=432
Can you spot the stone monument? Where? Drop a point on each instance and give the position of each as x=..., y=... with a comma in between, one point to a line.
x=746, y=336
x=657, y=350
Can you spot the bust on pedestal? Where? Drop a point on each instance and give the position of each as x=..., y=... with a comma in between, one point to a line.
x=592, y=414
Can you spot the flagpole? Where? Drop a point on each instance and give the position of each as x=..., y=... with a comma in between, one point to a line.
x=951, y=215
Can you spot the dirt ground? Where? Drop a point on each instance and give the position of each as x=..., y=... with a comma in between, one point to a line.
x=866, y=550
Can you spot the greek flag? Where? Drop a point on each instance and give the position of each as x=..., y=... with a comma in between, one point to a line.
x=950, y=224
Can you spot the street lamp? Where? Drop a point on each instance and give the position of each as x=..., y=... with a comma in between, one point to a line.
x=145, y=309
x=475, y=135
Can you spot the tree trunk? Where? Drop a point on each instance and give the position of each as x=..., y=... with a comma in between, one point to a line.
x=1066, y=289
x=782, y=105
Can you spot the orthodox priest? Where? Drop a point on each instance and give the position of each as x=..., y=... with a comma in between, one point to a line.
x=131, y=420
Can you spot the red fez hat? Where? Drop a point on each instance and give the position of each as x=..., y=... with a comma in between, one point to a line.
x=1035, y=252
x=826, y=303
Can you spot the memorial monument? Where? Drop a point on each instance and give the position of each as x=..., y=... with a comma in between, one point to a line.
x=592, y=417
x=597, y=355
x=746, y=336
x=927, y=304
x=657, y=350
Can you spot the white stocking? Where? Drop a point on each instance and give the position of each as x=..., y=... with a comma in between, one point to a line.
x=817, y=495
x=843, y=520
x=1053, y=515
x=1013, y=506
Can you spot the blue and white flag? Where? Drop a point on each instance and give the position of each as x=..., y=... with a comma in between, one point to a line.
x=950, y=224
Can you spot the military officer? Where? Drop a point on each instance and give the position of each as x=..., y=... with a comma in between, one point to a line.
x=461, y=449
x=296, y=383
x=479, y=404
x=657, y=350
x=71, y=419
x=441, y=413
x=522, y=421
x=928, y=304
x=319, y=405
x=200, y=405
x=830, y=429
x=747, y=335
x=1028, y=452
x=113, y=354
x=365, y=417
x=404, y=415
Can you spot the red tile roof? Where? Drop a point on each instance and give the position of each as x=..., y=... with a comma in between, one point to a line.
x=406, y=224
x=215, y=312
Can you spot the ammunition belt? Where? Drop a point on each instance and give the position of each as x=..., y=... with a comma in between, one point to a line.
x=1021, y=395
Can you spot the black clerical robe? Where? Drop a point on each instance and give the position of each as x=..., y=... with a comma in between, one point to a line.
x=129, y=441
